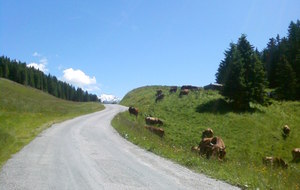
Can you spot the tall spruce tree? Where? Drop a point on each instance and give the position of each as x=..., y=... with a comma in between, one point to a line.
x=286, y=80
x=246, y=77
x=293, y=53
x=223, y=70
x=234, y=85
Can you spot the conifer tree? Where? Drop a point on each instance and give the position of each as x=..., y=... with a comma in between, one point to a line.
x=245, y=82
x=234, y=85
x=286, y=81
x=223, y=70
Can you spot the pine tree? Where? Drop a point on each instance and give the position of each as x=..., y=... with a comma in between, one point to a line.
x=234, y=85
x=257, y=81
x=286, y=80
x=270, y=59
x=246, y=77
x=297, y=75
x=222, y=73
x=6, y=71
x=31, y=77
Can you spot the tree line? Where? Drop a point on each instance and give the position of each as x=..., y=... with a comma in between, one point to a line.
x=29, y=76
x=245, y=72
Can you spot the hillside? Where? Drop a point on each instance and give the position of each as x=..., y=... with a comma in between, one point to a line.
x=25, y=112
x=249, y=136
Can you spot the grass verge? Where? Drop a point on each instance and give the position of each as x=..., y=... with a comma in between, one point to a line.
x=25, y=112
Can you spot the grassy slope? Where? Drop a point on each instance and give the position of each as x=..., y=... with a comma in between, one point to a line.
x=25, y=112
x=248, y=136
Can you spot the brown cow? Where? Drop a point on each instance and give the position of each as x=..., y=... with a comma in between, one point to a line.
x=205, y=146
x=212, y=147
x=286, y=130
x=189, y=87
x=184, y=92
x=275, y=162
x=133, y=111
x=173, y=89
x=153, y=121
x=296, y=154
x=158, y=131
x=207, y=133
x=159, y=97
x=218, y=149
x=158, y=92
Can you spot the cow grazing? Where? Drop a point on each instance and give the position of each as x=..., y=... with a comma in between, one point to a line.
x=160, y=97
x=296, y=154
x=153, y=121
x=275, y=162
x=173, y=89
x=184, y=92
x=158, y=92
x=133, y=111
x=158, y=131
x=205, y=146
x=218, y=149
x=189, y=87
x=286, y=130
x=213, y=147
x=207, y=133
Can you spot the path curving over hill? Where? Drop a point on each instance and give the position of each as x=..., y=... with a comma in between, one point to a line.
x=87, y=153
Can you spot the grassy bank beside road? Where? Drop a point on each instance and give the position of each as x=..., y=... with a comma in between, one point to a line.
x=25, y=112
x=248, y=136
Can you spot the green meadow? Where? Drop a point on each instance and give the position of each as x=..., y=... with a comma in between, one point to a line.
x=249, y=136
x=25, y=112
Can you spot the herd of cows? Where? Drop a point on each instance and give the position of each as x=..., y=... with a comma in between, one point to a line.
x=279, y=162
x=210, y=145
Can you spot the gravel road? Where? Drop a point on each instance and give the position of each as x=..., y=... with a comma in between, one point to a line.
x=87, y=153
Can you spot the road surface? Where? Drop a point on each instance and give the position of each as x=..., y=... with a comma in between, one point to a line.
x=87, y=153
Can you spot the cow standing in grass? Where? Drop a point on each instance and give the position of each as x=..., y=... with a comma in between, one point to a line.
x=286, y=131
x=214, y=146
x=134, y=111
x=159, y=97
x=158, y=92
x=153, y=121
x=173, y=89
x=207, y=133
x=158, y=131
x=184, y=92
x=275, y=162
x=296, y=154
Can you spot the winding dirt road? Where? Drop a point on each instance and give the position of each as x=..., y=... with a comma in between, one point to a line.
x=87, y=153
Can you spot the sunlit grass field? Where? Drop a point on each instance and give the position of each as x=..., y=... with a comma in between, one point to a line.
x=25, y=112
x=248, y=136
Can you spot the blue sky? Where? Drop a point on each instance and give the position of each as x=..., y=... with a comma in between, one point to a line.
x=113, y=47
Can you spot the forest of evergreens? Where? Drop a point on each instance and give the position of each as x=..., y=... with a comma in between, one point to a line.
x=246, y=73
x=29, y=76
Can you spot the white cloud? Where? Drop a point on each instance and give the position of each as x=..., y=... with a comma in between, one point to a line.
x=36, y=54
x=108, y=98
x=78, y=78
x=40, y=66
